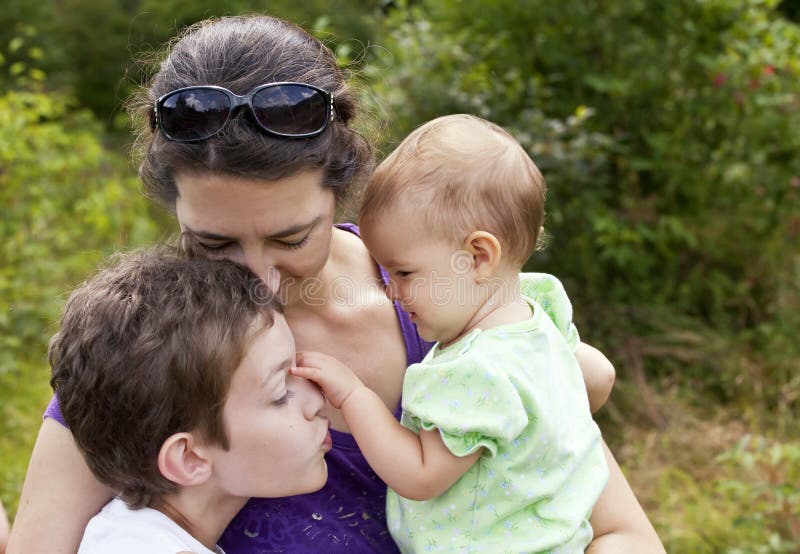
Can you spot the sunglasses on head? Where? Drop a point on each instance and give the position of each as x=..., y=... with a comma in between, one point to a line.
x=292, y=110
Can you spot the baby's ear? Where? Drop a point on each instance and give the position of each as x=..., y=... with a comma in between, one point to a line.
x=486, y=252
x=184, y=460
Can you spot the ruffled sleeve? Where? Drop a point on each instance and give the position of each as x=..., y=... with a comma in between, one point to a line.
x=549, y=293
x=472, y=404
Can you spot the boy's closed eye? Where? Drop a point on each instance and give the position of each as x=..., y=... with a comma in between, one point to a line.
x=274, y=386
x=283, y=400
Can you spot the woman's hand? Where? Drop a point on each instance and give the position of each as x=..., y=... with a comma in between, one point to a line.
x=337, y=380
x=619, y=523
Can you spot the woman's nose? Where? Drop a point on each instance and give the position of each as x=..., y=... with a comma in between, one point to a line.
x=309, y=395
x=264, y=266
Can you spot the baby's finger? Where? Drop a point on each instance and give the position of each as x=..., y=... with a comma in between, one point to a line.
x=318, y=376
x=308, y=357
x=308, y=372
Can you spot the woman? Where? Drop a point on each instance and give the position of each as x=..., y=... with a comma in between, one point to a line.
x=3, y=529
x=257, y=178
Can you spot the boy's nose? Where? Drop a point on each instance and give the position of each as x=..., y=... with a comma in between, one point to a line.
x=309, y=394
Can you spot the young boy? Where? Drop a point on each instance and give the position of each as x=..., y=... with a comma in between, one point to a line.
x=173, y=376
x=497, y=451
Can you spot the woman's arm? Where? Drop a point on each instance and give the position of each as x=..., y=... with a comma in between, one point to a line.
x=598, y=374
x=3, y=529
x=59, y=497
x=619, y=523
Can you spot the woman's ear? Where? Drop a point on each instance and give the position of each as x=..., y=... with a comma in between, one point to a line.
x=183, y=460
x=486, y=252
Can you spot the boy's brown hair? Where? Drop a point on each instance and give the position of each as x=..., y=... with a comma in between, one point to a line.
x=463, y=174
x=147, y=348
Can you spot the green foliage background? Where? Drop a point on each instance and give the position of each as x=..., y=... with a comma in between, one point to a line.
x=667, y=135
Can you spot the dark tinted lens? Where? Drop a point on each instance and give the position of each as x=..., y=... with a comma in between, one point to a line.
x=194, y=114
x=291, y=109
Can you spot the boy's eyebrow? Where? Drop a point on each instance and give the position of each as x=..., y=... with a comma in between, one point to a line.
x=284, y=364
x=283, y=233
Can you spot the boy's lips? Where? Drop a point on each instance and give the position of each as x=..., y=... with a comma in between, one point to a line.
x=327, y=442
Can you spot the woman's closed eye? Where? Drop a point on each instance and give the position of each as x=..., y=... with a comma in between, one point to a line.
x=293, y=245
x=214, y=246
x=194, y=244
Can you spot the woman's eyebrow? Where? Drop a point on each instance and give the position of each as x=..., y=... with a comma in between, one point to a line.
x=206, y=234
x=294, y=229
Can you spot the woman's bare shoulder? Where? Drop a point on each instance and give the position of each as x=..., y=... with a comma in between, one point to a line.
x=352, y=258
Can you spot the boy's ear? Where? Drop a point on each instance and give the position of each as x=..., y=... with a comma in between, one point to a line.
x=183, y=460
x=486, y=252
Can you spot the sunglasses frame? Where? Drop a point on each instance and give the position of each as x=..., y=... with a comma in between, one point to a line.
x=237, y=101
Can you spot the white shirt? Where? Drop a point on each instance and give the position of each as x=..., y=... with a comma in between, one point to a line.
x=121, y=530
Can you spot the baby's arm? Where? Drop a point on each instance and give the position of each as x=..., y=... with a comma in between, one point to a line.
x=417, y=467
x=598, y=374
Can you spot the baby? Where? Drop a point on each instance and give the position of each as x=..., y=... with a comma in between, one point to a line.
x=496, y=450
x=173, y=376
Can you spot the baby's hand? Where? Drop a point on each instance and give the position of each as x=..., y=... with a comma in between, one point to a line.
x=336, y=379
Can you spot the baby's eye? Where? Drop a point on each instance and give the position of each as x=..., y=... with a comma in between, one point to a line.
x=402, y=273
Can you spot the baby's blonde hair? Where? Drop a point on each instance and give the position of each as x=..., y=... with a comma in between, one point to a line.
x=463, y=174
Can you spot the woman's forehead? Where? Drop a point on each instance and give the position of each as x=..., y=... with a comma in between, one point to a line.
x=240, y=205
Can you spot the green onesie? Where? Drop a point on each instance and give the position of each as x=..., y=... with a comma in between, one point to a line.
x=517, y=391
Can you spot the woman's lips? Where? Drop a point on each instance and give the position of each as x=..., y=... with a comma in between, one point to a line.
x=327, y=443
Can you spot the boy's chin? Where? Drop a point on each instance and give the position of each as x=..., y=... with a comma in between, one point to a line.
x=315, y=485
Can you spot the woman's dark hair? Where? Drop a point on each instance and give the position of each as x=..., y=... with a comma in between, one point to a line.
x=240, y=53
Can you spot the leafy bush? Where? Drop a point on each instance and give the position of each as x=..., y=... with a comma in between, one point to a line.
x=667, y=134
x=65, y=203
x=94, y=46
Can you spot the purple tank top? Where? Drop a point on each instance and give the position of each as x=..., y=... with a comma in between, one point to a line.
x=347, y=515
